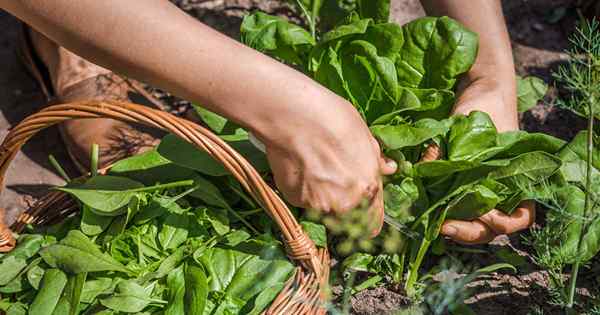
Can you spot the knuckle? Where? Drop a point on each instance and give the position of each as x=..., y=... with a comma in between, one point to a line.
x=369, y=189
x=318, y=205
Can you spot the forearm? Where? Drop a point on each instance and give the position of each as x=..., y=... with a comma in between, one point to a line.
x=153, y=41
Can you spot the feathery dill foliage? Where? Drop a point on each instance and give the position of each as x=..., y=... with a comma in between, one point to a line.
x=581, y=78
x=536, y=310
x=447, y=292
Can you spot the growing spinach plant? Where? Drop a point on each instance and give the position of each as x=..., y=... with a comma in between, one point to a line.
x=171, y=231
x=402, y=80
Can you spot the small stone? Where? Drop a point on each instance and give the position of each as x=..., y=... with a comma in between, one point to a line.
x=538, y=26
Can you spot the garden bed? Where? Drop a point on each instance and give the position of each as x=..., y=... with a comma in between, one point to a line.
x=539, y=33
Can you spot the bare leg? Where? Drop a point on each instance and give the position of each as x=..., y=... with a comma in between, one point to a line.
x=65, y=67
x=76, y=79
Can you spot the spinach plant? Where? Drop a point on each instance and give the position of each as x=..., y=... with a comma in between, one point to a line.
x=171, y=231
x=402, y=80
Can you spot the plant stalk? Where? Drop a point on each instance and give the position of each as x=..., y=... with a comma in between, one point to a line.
x=59, y=168
x=413, y=271
x=310, y=18
x=95, y=157
x=348, y=293
x=586, y=207
x=165, y=186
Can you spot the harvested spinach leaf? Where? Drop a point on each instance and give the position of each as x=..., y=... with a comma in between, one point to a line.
x=76, y=253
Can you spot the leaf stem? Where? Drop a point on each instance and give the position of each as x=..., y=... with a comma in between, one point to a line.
x=348, y=293
x=310, y=18
x=165, y=186
x=243, y=220
x=243, y=196
x=413, y=271
x=95, y=156
x=58, y=167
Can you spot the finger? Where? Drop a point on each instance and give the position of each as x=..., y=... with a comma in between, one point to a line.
x=432, y=153
x=387, y=165
x=353, y=197
x=520, y=219
x=376, y=211
x=468, y=232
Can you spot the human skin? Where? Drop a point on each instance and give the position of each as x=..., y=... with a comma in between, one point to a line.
x=490, y=87
x=306, y=128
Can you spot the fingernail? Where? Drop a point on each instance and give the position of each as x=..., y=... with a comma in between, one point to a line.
x=392, y=164
x=449, y=230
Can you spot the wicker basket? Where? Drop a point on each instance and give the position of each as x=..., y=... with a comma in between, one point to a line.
x=304, y=293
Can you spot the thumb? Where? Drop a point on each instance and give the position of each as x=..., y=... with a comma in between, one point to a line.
x=387, y=165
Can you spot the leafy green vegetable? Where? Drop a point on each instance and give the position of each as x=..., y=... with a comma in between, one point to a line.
x=51, y=287
x=76, y=254
x=168, y=232
x=473, y=203
x=469, y=135
x=10, y=267
x=276, y=36
x=93, y=224
x=184, y=154
x=527, y=170
x=174, y=230
x=105, y=195
x=435, y=53
x=94, y=288
x=378, y=10
x=529, y=91
x=176, y=287
x=316, y=232
x=150, y=168
x=399, y=200
x=196, y=290
x=130, y=297
x=405, y=135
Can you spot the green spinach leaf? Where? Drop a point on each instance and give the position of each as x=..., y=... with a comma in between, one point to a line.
x=529, y=91
x=105, y=194
x=77, y=254
x=51, y=288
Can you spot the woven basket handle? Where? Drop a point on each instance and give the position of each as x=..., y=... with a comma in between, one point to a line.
x=299, y=246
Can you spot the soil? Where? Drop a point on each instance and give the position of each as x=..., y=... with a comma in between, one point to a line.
x=538, y=29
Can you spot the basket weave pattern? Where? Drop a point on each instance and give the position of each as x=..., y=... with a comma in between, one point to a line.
x=304, y=292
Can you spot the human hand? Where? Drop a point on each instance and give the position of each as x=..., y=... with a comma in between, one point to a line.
x=491, y=98
x=330, y=163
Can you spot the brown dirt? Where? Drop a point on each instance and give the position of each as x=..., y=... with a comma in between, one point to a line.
x=537, y=43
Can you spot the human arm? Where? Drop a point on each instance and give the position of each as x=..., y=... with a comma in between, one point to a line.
x=489, y=86
x=304, y=126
